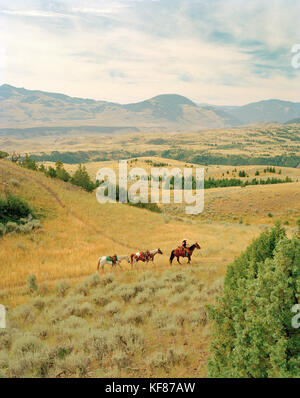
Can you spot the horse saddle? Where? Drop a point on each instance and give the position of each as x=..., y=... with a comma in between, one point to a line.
x=113, y=259
x=142, y=256
x=183, y=251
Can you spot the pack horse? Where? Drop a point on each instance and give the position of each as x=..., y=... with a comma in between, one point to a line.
x=112, y=260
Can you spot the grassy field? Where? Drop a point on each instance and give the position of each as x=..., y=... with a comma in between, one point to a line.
x=257, y=140
x=74, y=327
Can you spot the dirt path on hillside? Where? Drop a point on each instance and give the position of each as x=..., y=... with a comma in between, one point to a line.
x=4, y=165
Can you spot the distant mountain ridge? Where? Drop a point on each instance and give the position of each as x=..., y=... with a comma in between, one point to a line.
x=34, y=109
x=272, y=110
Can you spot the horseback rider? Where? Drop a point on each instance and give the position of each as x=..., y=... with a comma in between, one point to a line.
x=184, y=246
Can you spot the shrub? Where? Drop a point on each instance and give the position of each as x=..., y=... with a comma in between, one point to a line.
x=76, y=364
x=127, y=337
x=176, y=299
x=198, y=317
x=133, y=316
x=180, y=316
x=5, y=339
x=107, y=279
x=42, y=331
x=84, y=309
x=100, y=298
x=24, y=313
x=2, y=230
x=171, y=329
x=44, y=289
x=36, y=364
x=171, y=276
x=25, y=229
x=96, y=342
x=74, y=322
x=157, y=360
x=93, y=280
x=11, y=227
x=178, y=288
x=61, y=288
x=143, y=297
x=73, y=307
x=126, y=292
x=161, y=319
x=153, y=284
x=121, y=359
x=82, y=179
x=196, y=297
x=177, y=355
x=112, y=308
x=82, y=288
x=38, y=302
x=34, y=224
x=25, y=344
x=31, y=283
x=13, y=209
x=260, y=289
x=174, y=356
x=3, y=359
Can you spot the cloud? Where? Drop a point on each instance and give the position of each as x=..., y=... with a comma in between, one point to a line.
x=214, y=51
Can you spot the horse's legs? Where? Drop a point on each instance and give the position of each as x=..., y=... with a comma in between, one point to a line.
x=189, y=262
x=134, y=261
x=178, y=260
x=101, y=266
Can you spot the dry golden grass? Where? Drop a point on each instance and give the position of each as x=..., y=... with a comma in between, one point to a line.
x=249, y=140
x=77, y=230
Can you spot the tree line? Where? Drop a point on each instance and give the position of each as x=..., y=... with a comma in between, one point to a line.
x=80, y=178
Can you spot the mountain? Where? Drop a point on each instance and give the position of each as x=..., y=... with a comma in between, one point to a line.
x=272, y=110
x=293, y=121
x=41, y=112
x=21, y=108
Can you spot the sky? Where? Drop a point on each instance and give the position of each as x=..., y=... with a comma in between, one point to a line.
x=222, y=52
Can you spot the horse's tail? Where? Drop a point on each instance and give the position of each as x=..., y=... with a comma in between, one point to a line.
x=98, y=265
x=131, y=258
x=172, y=256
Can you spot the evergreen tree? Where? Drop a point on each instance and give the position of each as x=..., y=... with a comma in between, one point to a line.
x=253, y=335
x=82, y=179
x=29, y=163
x=61, y=172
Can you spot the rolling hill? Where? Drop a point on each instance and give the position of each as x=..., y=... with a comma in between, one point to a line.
x=45, y=113
x=272, y=110
x=21, y=108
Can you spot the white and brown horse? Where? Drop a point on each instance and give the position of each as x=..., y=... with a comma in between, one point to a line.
x=108, y=260
x=153, y=253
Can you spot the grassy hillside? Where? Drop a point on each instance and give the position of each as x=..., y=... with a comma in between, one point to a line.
x=267, y=145
x=74, y=327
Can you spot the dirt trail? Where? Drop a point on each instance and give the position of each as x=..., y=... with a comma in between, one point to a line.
x=6, y=166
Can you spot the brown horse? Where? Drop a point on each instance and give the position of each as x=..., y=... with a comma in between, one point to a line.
x=144, y=256
x=187, y=252
x=139, y=256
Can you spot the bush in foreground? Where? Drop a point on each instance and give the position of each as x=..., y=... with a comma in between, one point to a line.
x=253, y=335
